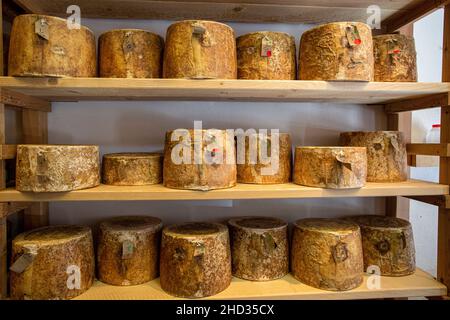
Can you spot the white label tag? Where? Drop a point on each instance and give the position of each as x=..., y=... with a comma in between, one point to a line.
x=127, y=249
x=41, y=29
x=266, y=47
x=22, y=263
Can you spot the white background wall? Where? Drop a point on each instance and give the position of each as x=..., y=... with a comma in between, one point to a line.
x=140, y=126
x=428, y=35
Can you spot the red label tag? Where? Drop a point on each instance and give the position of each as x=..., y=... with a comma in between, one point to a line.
x=266, y=47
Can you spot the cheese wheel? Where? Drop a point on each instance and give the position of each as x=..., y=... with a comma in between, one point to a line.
x=327, y=254
x=266, y=55
x=330, y=167
x=259, y=248
x=52, y=263
x=197, y=49
x=395, y=58
x=44, y=46
x=262, y=165
x=57, y=168
x=388, y=245
x=386, y=154
x=339, y=51
x=132, y=169
x=195, y=259
x=130, y=53
x=128, y=250
x=199, y=160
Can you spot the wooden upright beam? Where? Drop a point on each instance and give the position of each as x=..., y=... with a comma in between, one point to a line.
x=34, y=124
x=3, y=206
x=398, y=206
x=443, y=267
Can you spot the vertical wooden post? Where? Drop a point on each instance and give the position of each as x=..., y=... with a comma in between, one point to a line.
x=443, y=267
x=399, y=206
x=3, y=214
x=34, y=124
x=3, y=206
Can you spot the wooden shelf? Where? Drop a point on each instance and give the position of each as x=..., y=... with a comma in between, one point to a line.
x=288, y=11
x=241, y=191
x=76, y=89
x=419, y=284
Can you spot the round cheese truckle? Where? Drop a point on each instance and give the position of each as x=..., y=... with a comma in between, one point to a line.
x=52, y=263
x=57, y=168
x=197, y=49
x=266, y=55
x=386, y=154
x=132, y=169
x=395, y=58
x=206, y=164
x=337, y=51
x=259, y=248
x=259, y=169
x=388, y=244
x=128, y=250
x=130, y=53
x=330, y=167
x=195, y=259
x=327, y=254
x=44, y=46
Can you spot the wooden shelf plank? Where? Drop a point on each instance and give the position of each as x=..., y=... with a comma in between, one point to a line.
x=75, y=89
x=287, y=11
x=419, y=284
x=241, y=191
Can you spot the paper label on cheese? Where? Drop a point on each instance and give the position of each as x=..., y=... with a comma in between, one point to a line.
x=353, y=36
x=41, y=29
x=24, y=261
x=127, y=249
x=266, y=47
x=393, y=48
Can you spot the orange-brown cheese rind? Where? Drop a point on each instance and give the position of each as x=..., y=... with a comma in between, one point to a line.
x=327, y=254
x=259, y=248
x=62, y=264
x=195, y=259
x=128, y=250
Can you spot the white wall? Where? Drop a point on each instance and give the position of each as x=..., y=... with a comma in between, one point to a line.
x=428, y=36
x=139, y=126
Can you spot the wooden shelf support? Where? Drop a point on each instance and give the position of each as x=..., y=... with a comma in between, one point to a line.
x=429, y=149
x=431, y=101
x=415, y=12
x=8, y=151
x=19, y=100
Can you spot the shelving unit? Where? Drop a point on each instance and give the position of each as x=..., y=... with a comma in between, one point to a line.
x=34, y=97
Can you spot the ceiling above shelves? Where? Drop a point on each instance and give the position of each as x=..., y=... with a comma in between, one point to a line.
x=78, y=89
x=286, y=11
x=241, y=191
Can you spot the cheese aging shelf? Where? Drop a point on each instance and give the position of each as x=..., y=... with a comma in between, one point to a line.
x=241, y=191
x=419, y=284
x=34, y=98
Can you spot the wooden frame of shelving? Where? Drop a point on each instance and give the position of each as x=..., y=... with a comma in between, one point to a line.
x=33, y=97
